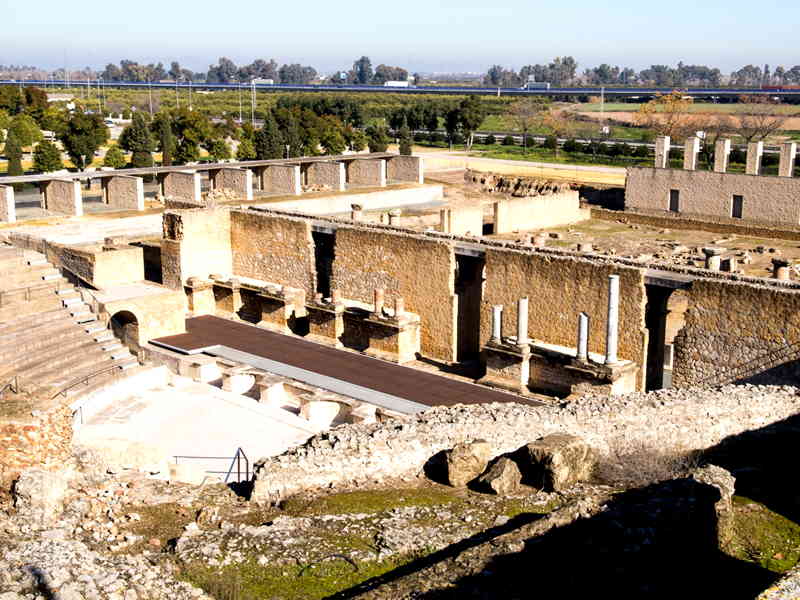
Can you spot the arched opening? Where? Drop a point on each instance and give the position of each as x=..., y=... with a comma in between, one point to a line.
x=664, y=318
x=676, y=318
x=125, y=326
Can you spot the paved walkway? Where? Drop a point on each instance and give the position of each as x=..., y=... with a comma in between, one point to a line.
x=383, y=377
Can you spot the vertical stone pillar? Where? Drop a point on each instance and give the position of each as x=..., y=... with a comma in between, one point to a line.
x=399, y=307
x=444, y=220
x=379, y=297
x=282, y=179
x=690, y=152
x=497, y=323
x=522, y=322
x=713, y=258
x=394, y=217
x=583, y=337
x=612, y=324
x=755, y=151
x=722, y=153
x=780, y=269
x=356, y=212
x=62, y=196
x=788, y=156
x=239, y=181
x=184, y=185
x=540, y=241
x=8, y=212
x=123, y=191
x=662, y=152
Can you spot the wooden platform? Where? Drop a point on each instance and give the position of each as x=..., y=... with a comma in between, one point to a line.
x=396, y=380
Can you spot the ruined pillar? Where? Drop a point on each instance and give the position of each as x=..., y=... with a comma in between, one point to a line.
x=691, y=150
x=722, y=153
x=379, y=297
x=394, y=217
x=522, y=322
x=62, y=196
x=788, y=156
x=662, y=152
x=585, y=247
x=540, y=241
x=612, y=324
x=183, y=185
x=281, y=179
x=200, y=296
x=367, y=172
x=356, y=212
x=444, y=220
x=404, y=168
x=755, y=150
x=8, y=212
x=330, y=174
x=399, y=307
x=123, y=192
x=497, y=323
x=780, y=269
x=583, y=337
x=238, y=181
x=713, y=258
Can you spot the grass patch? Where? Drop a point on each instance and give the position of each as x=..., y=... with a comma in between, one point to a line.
x=764, y=537
x=369, y=501
x=697, y=107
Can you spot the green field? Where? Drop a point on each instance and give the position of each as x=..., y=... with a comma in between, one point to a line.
x=699, y=107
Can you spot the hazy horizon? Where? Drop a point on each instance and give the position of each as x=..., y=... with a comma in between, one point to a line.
x=448, y=36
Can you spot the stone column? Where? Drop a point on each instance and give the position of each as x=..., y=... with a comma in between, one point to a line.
x=662, y=152
x=8, y=212
x=713, y=258
x=378, y=302
x=722, y=152
x=583, y=337
x=612, y=324
x=356, y=212
x=444, y=220
x=399, y=307
x=540, y=241
x=755, y=150
x=123, y=191
x=585, y=247
x=522, y=322
x=780, y=269
x=394, y=217
x=690, y=151
x=788, y=156
x=238, y=181
x=62, y=196
x=497, y=323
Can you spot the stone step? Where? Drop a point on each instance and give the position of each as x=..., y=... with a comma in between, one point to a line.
x=33, y=307
x=125, y=368
x=119, y=353
x=110, y=345
x=51, y=355
x=95, y=328
x=33, y=321
x=104, y=335
x=58, y=379
x=72, y=301
x=25, y=341
x=87, y=357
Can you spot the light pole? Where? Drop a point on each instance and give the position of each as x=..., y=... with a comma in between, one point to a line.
x=240, y=102
x=100, y=92
x=190, y=94
x=253, y=104
x=150, y=94
x=177, y=97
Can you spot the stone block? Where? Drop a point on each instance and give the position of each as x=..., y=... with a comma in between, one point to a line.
x=8, y=212
x=722, y=153
x=39, y=494
x=62, y=196
x=466, y=220
x=404, y=168
x=690, y=152
x=725, y=484
x=123, y=192
x=370, y=172
x=508, y=366
x=183, y=185
x=467, y=461
x=662, y=152
x=787, y=160
x=239, y=181
x=325, y=322
x=237, y=382
x=320, y=413
x=558, y=461
x=281, y=179
x=503, y=477
x=396, y=338
x=200, y=296
x=331, y=174
x=205, y=369
x=755, y=150
x=363, y=413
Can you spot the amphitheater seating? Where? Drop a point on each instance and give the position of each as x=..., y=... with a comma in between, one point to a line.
x=49, y=337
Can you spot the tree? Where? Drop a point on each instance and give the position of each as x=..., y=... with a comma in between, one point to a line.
x=162, y=126
x=452, y=123
x=560, y=124
x=715, y=127
x=46, y=157
x=268, y=139
x=384, y=73
x=246, y=150
x=357, y=140
x=525, y=114
x=187, y=151
x=26, y=130
x=291, y=133
x=223, y=72
x=82, y=136
x=331, y=135
x=220, y=150
x=296, y=73
x=115, y=158
x=138, y=139
x=362, y=68
x=377, y=138
x=759, y=120
x=472, y=114
x=667, y=115
x=406, y=140
x=13, y=152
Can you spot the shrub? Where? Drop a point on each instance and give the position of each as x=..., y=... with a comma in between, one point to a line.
x=550, y=142
x=115, y=158
x=420, y=137
x=738, y=156
x=508, y=140
x=571, y=146
x=490, y=140
x=611, y=149
x=437, y=137
x=625, y=149
x=457, y=138
x=641, y=151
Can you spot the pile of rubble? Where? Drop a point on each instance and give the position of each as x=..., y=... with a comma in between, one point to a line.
x=514, y=185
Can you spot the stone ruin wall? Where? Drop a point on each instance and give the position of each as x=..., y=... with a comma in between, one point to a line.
x=41, y=438
x=514, y=185
x=418, y=269
x=355, y=455
x=559, y=289
x=729, y=324
x=196, y=243
x=275, y=249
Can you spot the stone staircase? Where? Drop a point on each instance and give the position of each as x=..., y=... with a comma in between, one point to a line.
x=49, y=337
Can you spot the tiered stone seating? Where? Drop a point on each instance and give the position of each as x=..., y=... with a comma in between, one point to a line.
x=49, y=336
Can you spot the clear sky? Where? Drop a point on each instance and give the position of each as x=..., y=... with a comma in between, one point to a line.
x=421, y=35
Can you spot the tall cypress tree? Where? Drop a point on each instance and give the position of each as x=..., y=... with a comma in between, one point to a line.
x=13, y=152
x=138, y=139
x=46, y=157
x=406, y=140
x=268, y=140
x=166, y=141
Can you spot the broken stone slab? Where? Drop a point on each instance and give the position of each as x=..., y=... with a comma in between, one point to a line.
x=503, y=477
x=40, y=494
x=559, y=461
x=467, y=461
x=725, y=484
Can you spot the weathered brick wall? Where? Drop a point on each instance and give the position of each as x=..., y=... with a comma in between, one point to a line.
x=181, y=184
x=538, y=212
x=367, y=172
x=418, y=269
x=196, y=243
x=63, y=196
x=239, y=181
x=124, y=192
x=766, y=199
x=273, y=248
x=331, y=174
x=281, y=179
x=405, y=168
x=8, y=212
x=559, y=289
x=42, y=438
x=730, y=324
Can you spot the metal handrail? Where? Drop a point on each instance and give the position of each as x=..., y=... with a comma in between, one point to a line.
x=84, y=379
x=741, y=370
x=12, y=384
x=237, y=460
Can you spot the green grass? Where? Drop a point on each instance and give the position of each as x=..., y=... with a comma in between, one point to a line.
x=699, y=107
x=371, y=501
x=764, y=537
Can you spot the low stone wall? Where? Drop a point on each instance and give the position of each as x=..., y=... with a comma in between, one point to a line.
x=239, y=181
x=40, y=438
x=367, y=172
x=331, y=174
x=342, y=203
x=123, y=192
x=465, y=220
x=362, y=454
x=538, y=212
x=405, y=168
x=62, y=196
x=8, y=213
x=281, y=179
x=184, y=185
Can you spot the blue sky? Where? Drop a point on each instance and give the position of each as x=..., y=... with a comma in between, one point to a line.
x=422, y=35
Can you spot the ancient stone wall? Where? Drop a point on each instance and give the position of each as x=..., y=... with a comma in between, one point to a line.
x=464, y=220
x=559, y=289
x=731, y=324
x=367, y=172
x=273, y=248
x=281, y=179
x=62, y=196
x=418, y=269
x=41, y=438
x=196, y=243
x=331, y=174
x=239, y=181
x=405, y=168
x=181, y=184
x=123, y=192
x=8, y=212
x=666, y=420
x=538, y=212
x=765, y=199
